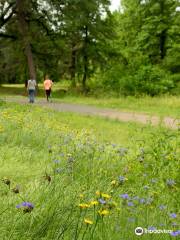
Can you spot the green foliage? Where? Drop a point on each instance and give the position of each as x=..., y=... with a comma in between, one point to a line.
x=81, y=40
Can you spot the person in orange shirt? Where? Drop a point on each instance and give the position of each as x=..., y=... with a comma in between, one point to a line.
x=47, y=86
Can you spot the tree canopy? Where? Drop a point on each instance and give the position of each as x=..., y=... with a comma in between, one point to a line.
x=130, y=51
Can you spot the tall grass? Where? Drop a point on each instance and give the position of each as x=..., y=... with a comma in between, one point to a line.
x=71, y=186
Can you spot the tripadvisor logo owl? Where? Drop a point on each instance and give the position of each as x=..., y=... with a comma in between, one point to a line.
x=139, y=231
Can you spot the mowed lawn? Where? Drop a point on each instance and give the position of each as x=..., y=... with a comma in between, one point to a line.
x=66, y=176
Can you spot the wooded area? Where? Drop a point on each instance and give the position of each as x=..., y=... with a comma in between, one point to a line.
x=135, y=50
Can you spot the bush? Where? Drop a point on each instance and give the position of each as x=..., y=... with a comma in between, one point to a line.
x=150, y=80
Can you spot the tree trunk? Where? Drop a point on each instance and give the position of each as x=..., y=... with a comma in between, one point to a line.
x=24, y=30
x=85, y=60
x=73, y=66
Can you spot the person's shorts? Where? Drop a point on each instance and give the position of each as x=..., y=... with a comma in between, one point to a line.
x=48, y=92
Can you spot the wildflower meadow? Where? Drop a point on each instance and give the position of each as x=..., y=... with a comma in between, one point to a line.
x=59, y=182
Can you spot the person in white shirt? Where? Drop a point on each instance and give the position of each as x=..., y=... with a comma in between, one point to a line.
x=31, y=87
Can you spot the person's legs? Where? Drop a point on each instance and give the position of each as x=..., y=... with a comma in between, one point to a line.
x=29, y=92
x=31, y=95
x=48, y=92
x=47, y=95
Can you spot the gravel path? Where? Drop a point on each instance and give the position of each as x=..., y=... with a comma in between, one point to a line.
x=103, y=112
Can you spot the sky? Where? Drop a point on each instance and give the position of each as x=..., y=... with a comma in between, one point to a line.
x=114, y=4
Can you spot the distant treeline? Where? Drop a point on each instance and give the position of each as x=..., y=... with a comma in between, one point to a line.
x=133, y=51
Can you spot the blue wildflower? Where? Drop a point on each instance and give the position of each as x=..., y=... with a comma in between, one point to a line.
x=121, y=179
x=124, y=196
x=152, y=228
x=26, y=206
x=130, y=204
x=170, y=182
x=18, y=206
x=162, y=207
x=173, y=215
x=102, y=201
x=142, y=200
x=175, y=233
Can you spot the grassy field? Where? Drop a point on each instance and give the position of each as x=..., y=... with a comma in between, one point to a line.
x=71, y=177
x=160, y=106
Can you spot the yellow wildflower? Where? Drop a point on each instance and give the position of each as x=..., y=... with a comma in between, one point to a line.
x=114, y=182
x=88, y=221
x=93, y=203
x=81, y=195
x=104, y=195
x=103, y=212
x=84, y=205
x=98, y=193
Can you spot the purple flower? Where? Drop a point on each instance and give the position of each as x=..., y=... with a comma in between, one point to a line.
x=151, y=228
x=121, y=179
x=173, y=215
x=175, y=233
x=130, y=204
x=162, y=207
x=124, y=196
x=27, y=205
x=102, y=201
x=142, y=200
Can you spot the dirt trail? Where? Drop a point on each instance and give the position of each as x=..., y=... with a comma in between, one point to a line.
x=103, y=112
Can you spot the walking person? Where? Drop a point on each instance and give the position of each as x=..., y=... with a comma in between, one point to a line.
x=47, y=86
x=31, y=87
